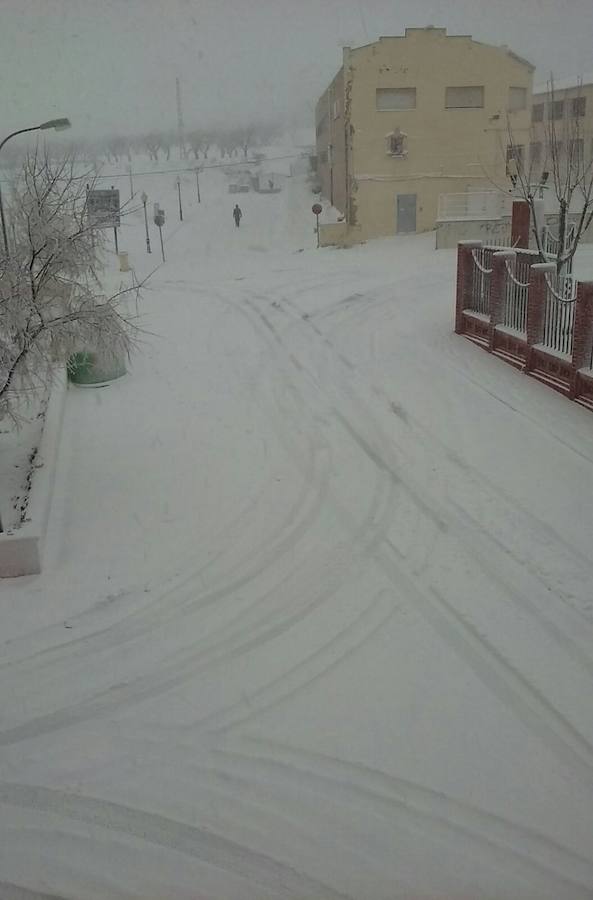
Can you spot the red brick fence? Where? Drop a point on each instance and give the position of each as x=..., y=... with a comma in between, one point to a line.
x=517, y=308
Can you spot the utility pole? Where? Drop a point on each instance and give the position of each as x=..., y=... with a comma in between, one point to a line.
x=180, y=130
x=115, y=229
x=144, y=199
x=179, y=195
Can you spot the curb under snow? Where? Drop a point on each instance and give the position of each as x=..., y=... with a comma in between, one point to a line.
x=21, y=551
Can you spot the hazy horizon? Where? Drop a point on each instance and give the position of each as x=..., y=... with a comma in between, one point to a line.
x=111, y=66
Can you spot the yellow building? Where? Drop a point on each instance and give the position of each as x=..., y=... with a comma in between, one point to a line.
x=409, y=118
x=568, y=107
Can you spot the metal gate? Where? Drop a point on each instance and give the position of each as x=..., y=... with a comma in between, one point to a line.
x=406, y=213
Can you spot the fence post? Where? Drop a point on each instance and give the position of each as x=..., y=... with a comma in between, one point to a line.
x=536, y=307
x=520, y=224
x=465, y=278
x=582, y=345
x=498, y=281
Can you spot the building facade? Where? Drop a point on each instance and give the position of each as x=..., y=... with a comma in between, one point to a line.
x=567, y=107
x=409, y=118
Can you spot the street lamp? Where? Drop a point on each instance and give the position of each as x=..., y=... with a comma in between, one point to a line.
x=57, y=125
x=178, y=182
x=144, y=199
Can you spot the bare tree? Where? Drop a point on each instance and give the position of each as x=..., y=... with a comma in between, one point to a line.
x=51, y=300
x=199, y=142
x=244, y=138
x=115, y=147
x=559, y=162
x=167, y=142
x=152, y=143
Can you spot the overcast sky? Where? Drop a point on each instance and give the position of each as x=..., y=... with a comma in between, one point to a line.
x=110, y=65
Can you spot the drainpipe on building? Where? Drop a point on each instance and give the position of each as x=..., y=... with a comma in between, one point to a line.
x=330, y=145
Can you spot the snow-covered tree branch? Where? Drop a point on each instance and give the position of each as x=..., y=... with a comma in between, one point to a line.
x=558, y=162
x=51, y=300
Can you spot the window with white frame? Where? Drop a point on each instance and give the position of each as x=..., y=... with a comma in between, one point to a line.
x=470, y=97
x=395, y=98
x=517, y=98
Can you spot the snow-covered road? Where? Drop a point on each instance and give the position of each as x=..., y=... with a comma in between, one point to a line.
x=317, y=614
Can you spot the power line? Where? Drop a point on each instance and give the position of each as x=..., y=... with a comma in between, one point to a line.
x=243, y=162
x=225, y=165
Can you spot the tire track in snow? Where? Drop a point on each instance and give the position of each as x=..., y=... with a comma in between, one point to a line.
x=190, y=840
x=493, y=557
x=344, y=782
x=491, y=667
x=240, y=638
x=181, y=597
x=495, y=564
x=471, y=529
x=9, y=891
x=498, y=675
x=165, y=607
x=307, y=671
x=171, y=675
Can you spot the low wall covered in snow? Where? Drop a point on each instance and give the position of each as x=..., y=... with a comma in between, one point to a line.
x=491, y=231
x=21, y=550
x=495, y=232
x=338, y=234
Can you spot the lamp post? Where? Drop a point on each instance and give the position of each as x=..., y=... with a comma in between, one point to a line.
x=198, y=183
x=159, y=221
x=178, y=182
x=144, y=199
x=57, y=125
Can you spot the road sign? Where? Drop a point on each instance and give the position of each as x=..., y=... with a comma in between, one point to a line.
x=317, y=210
x=103, y=208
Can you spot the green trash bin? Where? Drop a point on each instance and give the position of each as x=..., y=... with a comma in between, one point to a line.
x=87, y=369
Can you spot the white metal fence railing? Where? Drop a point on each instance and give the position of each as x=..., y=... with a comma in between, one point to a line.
x=472, y=205
x=551, y=244
x=559, y=313
x=482, y=271
x=516, y=294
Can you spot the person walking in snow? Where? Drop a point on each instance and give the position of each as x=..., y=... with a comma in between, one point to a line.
x=237, y=214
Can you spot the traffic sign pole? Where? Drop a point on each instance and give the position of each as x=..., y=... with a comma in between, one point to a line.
x=317, y=209
x=159, y=221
